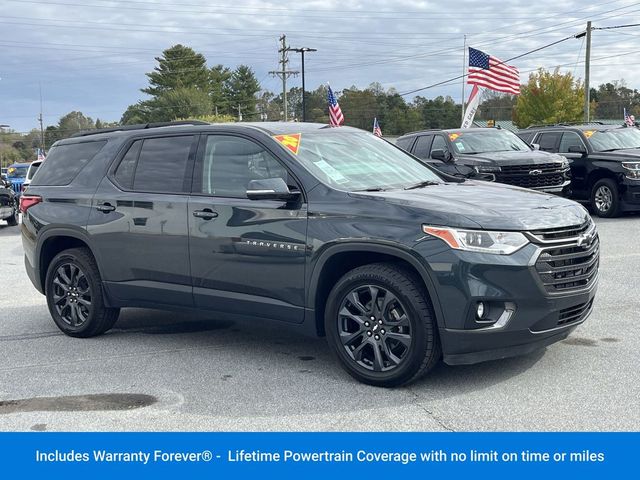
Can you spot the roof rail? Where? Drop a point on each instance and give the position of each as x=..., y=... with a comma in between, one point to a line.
x=422, y=131
x=565, y=124
x=139, y=126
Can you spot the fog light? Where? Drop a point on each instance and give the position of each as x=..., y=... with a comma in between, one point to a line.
x=480, y=310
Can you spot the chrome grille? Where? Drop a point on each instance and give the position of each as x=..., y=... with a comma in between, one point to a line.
x=569, y=256
x=548, y=175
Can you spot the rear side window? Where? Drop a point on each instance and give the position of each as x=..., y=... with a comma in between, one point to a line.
x=421, y=149
x=405, y=143
x=162, y=164
x=64, y=162
x=127, y=167
x=549, y=141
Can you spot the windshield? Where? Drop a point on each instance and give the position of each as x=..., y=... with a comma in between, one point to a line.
x=353, y=161
x=485, y=141
x=17, y=172
x=613, y=139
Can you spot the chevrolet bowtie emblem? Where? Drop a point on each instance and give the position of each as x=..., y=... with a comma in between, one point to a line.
x=535, y=172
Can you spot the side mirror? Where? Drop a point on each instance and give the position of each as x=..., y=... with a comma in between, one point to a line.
x=535, y=146
x=577, y=149
x=439, y=154
x=270, y=189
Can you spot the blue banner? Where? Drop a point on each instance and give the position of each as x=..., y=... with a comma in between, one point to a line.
x=317, y=455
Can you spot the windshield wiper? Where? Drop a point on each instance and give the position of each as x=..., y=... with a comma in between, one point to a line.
x=372, y=189
x=610, y=149
x=426, y=183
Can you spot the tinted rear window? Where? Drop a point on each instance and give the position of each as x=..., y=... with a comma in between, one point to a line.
x=64, y=162
x=162, y=164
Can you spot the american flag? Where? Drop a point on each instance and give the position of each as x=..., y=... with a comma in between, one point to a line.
x=335, y=113
x=41, y=155
x=487, y=71
x=377, y=131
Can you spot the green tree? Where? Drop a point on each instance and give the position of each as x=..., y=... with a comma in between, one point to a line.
x=219, y=77
x=612, y=98
x=243, y=87
x=549, y=97
x=440, y=112
x=179, y=103
x=496, y=106
x=178, y=67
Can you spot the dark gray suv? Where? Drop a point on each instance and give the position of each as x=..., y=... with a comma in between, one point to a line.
x=330, y=231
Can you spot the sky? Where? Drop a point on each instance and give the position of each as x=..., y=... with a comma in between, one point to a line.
x=92, y=55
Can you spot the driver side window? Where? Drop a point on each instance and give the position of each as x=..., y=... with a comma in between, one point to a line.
x=230, y=163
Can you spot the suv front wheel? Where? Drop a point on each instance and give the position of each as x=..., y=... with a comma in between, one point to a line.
x=379, y=323
x=605, y=199
x=74, y=295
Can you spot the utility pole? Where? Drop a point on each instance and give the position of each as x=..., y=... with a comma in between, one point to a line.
x=587, y=65
x=301, y=51
x=283, y=73
x=464, y=79
x=40, y=120
x=239, y=113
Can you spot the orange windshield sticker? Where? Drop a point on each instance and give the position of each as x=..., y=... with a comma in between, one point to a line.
x=588, y=133
x=290, y=142
x=453, y=136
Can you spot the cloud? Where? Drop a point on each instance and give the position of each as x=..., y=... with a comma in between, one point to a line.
x=91, y=55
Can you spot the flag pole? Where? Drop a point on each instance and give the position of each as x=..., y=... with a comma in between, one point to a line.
x=464, y=65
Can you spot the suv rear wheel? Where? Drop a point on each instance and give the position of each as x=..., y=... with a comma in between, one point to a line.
x=604, y=198
x=74, y=295
x=380, y=324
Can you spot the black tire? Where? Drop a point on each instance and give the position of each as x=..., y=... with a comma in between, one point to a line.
x=365, y=349
x=73, y=283
x=13, y=220
x=605, y=199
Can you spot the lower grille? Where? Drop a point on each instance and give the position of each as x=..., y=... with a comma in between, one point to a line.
x=575, y=313
x=565, y=268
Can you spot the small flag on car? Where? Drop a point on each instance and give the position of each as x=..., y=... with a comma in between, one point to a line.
x=377, y=131
x=41, y=155
x=335, y=113
x=630, y=120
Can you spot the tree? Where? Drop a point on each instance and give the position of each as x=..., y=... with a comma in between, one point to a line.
x=496, y=106
x=219, y=77
x=178, y=67
x=549, y=98
x=243, y=87
x=179, y=103
x=610, y=100
x=440, y=112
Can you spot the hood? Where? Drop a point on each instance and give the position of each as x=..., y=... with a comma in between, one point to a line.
x=531, y=157
x=486, y=205
x=625, y=155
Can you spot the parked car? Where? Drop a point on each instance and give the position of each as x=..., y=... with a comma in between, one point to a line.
x=33, y=168
x=605, y=163
x=16, y=173
x=330, y=231
x=489, y=154
x=8, y=203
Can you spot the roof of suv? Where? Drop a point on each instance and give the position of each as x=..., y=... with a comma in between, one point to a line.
x=579, y=126
x=451, y=130
x=270, y=128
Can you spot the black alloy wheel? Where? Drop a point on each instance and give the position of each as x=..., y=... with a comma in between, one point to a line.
x=73, y=287
x=72, y=294
x=380, y=324
x=374, y=328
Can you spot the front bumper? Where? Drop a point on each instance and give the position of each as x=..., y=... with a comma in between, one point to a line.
x=527, y=315
x=631, y=194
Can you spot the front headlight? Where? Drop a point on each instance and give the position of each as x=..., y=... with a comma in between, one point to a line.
x=501, y=243
x=632, y=170
x=564, y=164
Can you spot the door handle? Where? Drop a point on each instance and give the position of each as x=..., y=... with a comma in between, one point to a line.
x=105, y=207
x=206, y=214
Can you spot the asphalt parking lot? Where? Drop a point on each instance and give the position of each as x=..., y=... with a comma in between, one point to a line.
x=167, y=371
